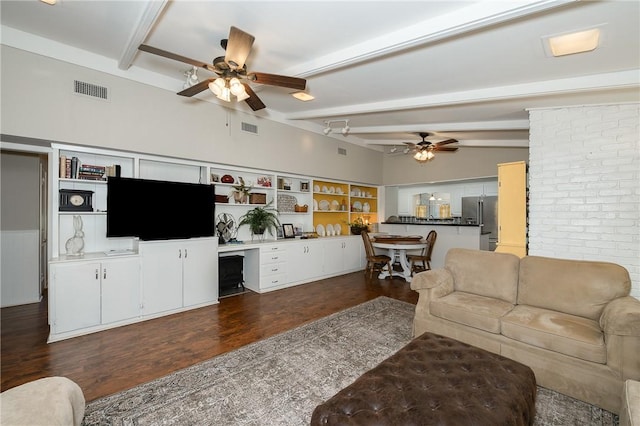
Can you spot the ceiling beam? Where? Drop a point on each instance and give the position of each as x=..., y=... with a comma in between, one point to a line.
x=477, y=15
x=444, y=127
x=564, y=86
x=148, y=19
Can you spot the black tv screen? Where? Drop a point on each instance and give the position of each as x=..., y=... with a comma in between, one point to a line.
x=159, y=210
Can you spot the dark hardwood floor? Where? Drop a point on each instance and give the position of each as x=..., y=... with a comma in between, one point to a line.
x=114, y=360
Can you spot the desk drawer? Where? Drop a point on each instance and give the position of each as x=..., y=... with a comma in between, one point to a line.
x=272, y=269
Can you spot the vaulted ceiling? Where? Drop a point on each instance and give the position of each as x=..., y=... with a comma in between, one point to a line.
x=467, y=70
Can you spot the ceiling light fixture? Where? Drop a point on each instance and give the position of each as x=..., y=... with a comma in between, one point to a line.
x=576, y=42
x=50, y=2
x=223, y=88
x=327, y=126
x=424, y=155
x=303, y=96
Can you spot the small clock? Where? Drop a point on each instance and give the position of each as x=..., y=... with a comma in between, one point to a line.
x=75, y=200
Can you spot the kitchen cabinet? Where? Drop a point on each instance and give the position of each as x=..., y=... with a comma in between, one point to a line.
x=512, y=208
x=86, y=294
x=178, y=273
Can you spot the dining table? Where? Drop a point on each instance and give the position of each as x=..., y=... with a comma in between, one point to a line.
x=398, y=248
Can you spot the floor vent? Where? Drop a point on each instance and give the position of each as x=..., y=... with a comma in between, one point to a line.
x=249, y=128
x=92, y=90
x=342, y=151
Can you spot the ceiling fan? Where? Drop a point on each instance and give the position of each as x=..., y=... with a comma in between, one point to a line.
x=424, y=151
x=232, y=71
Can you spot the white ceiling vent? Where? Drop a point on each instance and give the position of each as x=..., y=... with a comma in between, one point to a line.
x=91, y=90
x=342, y=151
x=249, y=128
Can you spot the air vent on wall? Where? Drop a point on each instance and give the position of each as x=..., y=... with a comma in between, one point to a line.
x=91, y=90
x=342, y=151
x=249, y=128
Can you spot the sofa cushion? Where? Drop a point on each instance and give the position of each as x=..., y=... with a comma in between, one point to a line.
x=484, y=273
x=574, y=287
x=567, y=334
x=472, y=310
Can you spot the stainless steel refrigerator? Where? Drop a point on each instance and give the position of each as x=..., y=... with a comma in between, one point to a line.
x=482, y=211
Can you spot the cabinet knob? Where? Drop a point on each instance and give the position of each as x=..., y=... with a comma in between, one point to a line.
x=104, y=274
x=179, y=253
x=97, y=274
x=186, y=253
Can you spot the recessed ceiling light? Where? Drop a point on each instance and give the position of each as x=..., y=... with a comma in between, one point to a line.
x=578, y=42
x=303, y=96
x=51, y=2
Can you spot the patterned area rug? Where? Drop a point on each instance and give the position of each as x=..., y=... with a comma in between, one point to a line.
x=280, y=380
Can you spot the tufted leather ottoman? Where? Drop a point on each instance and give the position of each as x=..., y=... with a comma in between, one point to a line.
x=435, y=380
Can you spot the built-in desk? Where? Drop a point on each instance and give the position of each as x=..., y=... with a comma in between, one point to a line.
x=274, y=264
x=450, y=235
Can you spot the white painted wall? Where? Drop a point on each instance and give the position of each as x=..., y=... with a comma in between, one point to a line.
x=584, y=185
x=38, y=102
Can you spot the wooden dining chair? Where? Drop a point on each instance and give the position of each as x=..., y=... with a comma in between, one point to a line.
x=422, y=262
x=375, y=262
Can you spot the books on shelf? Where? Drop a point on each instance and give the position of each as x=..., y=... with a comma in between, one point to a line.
x=72, y=168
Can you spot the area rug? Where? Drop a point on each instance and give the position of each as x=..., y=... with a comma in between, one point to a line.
x=280, y=380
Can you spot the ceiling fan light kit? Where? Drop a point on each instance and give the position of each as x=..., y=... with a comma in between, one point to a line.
x=424, y=151
x=230, y=69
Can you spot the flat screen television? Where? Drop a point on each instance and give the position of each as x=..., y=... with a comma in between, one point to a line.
x=159, y=210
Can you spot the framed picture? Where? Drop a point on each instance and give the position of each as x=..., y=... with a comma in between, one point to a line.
x=304, y=186
x=215, y=177
x=288, y=230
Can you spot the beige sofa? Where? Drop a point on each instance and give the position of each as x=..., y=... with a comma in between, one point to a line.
x=573, y=322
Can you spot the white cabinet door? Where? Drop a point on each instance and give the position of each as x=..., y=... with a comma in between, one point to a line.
x=76, y=296
x=200, y=271
x=342, y=255
x=353, y=250
x=120, y=289
x=161, y=275
x=306, y=260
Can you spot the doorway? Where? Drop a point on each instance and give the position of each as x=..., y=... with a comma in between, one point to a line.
x=24, y=223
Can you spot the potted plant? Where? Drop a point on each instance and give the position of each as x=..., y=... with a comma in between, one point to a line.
x=357, y=226
x=240, y=192
x=260, y=219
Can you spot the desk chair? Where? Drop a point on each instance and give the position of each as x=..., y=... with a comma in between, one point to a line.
x=375, y=262
x=422, y=262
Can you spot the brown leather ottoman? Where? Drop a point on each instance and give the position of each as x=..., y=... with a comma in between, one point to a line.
x=435, y=380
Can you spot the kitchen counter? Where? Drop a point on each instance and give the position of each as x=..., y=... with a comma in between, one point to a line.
x=450, y=235
x=431, y=222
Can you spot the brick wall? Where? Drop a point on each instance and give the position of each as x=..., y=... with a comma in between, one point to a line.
x=584, y=185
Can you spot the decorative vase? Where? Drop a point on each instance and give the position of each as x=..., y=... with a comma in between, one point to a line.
x=240, y=197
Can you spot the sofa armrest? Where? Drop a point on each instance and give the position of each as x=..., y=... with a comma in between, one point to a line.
x=621, y=317
x=431, y=279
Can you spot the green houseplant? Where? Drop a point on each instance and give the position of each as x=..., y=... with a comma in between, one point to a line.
x=260, y=219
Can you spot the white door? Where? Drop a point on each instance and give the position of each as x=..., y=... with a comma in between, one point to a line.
x=161, y=275
x=200, y=271
x=76, y=292
x=120, y=289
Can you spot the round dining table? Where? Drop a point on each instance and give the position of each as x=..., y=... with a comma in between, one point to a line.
x=398, y=250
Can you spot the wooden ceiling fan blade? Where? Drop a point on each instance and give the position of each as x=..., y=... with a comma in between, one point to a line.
x=238, y=47
x=278, y=80
x=445, y=142
x=445, y=148
x=176, y=57
x=253, y=100
x=196, y=88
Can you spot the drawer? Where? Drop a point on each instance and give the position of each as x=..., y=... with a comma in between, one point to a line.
x=273, y=257
x=273, y=280
x=272, y=269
